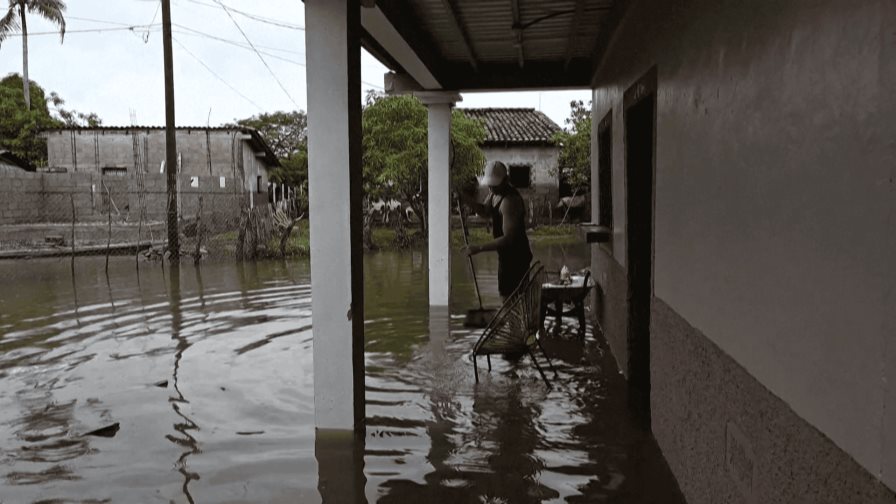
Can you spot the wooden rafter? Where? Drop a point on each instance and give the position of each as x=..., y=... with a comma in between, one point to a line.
x=518, y=32
x=461, y=30
x=574, y=31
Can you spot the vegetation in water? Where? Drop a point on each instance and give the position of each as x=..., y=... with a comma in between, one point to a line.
x=299, y=243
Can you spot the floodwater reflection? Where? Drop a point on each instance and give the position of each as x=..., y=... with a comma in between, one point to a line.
x=234, y=422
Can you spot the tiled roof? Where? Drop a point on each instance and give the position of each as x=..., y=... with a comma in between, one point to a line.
x=515, y=126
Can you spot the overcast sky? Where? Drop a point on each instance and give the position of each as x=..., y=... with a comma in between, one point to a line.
x=117, y=73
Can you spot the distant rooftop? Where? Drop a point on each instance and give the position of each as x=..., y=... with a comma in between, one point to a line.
x=515, y=126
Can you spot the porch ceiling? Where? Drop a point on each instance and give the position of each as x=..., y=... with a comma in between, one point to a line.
x=500, y=44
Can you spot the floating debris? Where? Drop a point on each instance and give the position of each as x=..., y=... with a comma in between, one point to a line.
x=161, y=384
x=250, y=433
x=107, y=431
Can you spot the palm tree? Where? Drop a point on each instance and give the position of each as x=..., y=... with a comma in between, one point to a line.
x=14, y=20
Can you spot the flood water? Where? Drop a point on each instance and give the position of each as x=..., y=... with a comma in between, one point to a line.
x=208, y=373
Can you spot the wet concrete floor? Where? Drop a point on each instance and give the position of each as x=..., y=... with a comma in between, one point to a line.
x=207, y=372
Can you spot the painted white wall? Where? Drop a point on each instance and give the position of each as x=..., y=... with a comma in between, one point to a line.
x=332, y=246
x=775, y=225
x=544, y=160
x=439, y=198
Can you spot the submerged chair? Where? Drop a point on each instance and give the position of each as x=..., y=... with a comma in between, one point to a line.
x=517, y=326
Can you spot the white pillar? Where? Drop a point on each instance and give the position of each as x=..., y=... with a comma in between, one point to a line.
x=439, y=104
x=333, y=56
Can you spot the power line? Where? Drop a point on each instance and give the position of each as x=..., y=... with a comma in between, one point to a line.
x=254, y=17
x=238, y=27
x=239, y=44
x=92, y=30
x=235, y=90
x=146, y=35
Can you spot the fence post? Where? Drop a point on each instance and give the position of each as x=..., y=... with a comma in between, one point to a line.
x=71, y=197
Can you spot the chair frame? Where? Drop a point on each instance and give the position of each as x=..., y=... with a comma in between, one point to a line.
x=532, y=280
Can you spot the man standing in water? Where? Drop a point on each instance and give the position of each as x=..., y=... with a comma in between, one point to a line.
x=507, y=211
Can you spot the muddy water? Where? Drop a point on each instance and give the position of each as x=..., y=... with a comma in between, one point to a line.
x=207, y=372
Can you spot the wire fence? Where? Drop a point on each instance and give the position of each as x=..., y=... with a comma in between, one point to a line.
x=52, y=214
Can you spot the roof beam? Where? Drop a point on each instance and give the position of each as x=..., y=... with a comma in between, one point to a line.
x=518, y=32
x=510, y=77
x=461, y=30
x=392, y=25
x=605, y=33
x=574, y=32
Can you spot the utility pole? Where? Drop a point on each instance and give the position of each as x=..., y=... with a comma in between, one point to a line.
x=170, y=135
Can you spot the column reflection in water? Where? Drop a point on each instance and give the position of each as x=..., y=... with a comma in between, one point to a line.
x=340, y=466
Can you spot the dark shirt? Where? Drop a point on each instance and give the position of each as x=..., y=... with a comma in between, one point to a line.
x=517, y=250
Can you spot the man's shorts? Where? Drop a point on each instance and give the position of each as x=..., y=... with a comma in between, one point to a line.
x=511, y=273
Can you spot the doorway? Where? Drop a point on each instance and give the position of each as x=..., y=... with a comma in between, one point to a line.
x=640, y=131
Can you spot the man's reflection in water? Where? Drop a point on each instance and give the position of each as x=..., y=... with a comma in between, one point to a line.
x=184, y=438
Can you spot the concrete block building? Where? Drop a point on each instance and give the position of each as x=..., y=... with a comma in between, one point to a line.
x=523, y=139
x=236, y=153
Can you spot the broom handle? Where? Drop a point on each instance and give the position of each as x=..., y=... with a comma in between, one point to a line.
x=463, y=227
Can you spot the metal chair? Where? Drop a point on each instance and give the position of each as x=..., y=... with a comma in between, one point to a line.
x=517, y=326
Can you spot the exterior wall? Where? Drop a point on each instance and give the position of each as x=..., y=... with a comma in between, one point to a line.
x=35, y=198
x=774, y=234
x=544, y=160
x=203, y=152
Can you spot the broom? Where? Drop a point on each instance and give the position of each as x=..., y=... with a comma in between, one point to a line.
x=482, y=316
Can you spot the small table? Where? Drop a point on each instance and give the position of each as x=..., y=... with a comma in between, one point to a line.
x=554, y=295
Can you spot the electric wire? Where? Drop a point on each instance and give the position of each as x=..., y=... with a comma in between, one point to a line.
x=224, y=81
x=238, y=27
x=254, y=17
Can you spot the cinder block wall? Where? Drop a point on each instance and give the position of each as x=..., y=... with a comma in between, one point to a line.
x=37, y=198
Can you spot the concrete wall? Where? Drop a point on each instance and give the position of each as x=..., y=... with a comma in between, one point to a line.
x=35, y=198
x=774, y=237
x=203, y=152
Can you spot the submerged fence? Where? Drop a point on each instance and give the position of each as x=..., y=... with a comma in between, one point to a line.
x=56, y=213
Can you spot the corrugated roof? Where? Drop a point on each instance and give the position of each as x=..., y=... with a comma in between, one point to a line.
x=258, y=142
x=515, y=126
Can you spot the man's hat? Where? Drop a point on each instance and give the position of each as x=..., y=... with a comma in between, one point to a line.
x=495, y=173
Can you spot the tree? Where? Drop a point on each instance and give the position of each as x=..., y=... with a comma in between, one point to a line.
x=395, y=156
x=15, y=19
x=21, y=128
x=73, y=118
x=575, y=147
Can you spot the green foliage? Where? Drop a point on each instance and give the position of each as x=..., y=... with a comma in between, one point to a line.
x=575, y=147
x=396, y=150
x=73, y=118
x=20, y=128
x=51, y=10
x=285, y=132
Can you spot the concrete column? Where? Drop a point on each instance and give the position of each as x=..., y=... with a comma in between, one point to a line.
x=333, y=56
x=439, y=104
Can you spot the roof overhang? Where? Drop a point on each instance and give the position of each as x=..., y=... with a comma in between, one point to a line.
x=491, y=45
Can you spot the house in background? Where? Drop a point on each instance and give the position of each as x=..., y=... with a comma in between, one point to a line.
x=221, y=152
x=523, y=139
